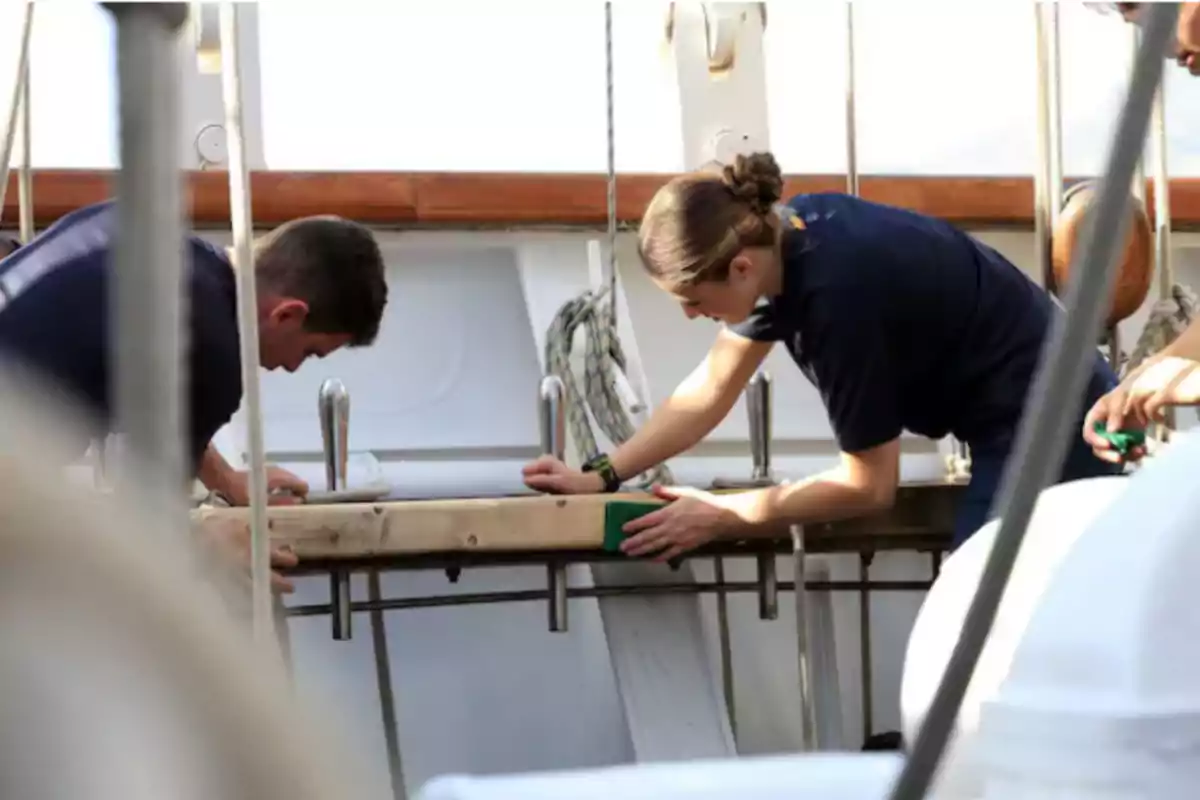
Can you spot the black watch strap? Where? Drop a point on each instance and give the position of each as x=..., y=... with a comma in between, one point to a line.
x=603, y=467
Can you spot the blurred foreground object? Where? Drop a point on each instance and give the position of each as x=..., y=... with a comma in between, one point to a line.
x=122, y=674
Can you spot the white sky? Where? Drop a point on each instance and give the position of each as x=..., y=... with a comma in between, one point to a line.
x=943, y=88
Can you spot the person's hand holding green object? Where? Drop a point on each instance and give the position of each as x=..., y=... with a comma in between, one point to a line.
x=1123, y=441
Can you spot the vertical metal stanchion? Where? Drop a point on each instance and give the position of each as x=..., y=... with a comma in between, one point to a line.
x=340, y=601
x=147, y=285
x=866, y=662
x=725, y=645
x=552, y=416
x=758, y=408
x=240, y=208
x=804, y=665
x=552, y=423
x=10, y=129
x=768, y=586
x=333, y=412
x=333, y=409
x=387, y=694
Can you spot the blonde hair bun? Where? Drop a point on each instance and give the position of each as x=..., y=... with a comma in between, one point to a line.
x=756, y=180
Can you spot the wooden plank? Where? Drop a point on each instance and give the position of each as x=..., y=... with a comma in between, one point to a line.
x=519, y=524
x=531, y=199
x=384, y=198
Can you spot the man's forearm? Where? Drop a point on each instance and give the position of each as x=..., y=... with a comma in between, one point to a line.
x=824, y=497
x=214, y=469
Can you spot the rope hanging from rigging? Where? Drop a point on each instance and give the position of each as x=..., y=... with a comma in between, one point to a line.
x=596, y=313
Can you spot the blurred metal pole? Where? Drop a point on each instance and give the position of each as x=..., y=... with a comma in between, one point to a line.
x=1055, y=399
x=758, y=408
x=147, y=283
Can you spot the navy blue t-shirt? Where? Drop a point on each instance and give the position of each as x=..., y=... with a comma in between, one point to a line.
x=58, y=323
x=904, y=322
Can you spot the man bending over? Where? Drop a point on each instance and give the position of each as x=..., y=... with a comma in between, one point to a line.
x=320, y=285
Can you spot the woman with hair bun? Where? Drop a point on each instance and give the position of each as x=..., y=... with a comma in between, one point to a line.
x=901, y=321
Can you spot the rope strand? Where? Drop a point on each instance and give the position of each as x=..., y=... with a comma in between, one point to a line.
x=603, y=358
x=1168, y=319
x=610, y=117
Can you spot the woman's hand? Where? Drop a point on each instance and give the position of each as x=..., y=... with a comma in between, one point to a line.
x=1141, y=399
x=552, y=476
x=692, y=519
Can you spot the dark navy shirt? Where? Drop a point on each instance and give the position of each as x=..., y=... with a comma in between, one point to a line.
x=904, y=322
x=58, y=324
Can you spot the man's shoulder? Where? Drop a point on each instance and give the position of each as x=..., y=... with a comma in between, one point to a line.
x=213, y=302
x=212, y=281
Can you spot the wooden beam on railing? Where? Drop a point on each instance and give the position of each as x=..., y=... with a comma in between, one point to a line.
x=470, y=199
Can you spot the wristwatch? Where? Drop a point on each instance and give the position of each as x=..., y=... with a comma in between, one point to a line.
x=602, y=466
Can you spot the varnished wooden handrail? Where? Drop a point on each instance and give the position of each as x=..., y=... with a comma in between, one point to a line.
x=532, y=199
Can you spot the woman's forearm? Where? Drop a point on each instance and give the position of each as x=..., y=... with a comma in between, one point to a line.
x=863, y=483
x=703, y=399
x=687, y=416
x=673, y=428
x=825, y=497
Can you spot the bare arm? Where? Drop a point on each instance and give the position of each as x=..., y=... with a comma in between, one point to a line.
x=214, y=470
x=283, y=488
x=862, y=484
x=696, y=407
x=865, y=482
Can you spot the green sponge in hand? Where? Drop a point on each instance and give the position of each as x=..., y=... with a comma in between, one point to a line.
x=1121, y=441
x=616, y=514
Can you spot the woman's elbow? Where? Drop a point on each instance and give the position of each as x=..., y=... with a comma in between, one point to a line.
x=879, y=497
x=875, y=493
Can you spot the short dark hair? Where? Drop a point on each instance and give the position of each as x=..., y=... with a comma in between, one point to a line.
x=332, y=264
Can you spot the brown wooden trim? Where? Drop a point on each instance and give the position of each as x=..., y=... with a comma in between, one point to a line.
x=495, y=199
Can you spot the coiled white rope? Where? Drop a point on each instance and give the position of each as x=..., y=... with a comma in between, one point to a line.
x=1168, y=319
x=603, y=359
x=596, y=313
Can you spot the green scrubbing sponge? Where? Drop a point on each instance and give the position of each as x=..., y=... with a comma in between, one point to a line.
x=616, y=514
x=1121, y=441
